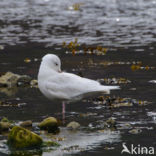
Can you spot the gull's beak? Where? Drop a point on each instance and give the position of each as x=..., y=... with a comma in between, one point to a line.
x=60, y=71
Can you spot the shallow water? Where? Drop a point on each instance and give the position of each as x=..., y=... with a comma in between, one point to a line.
x=106, y=22
x=31, y=29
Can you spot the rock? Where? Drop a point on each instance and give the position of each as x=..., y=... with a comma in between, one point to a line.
x=87, y=114
x=125, y=126
x=135, y=131
x=50, y=124
x=4, y=126
x=126, y=104
x=4, y=119
x=27, y=123
x=34, y=83
x=110, y=123
x=50, y=143
x=9, y=91
x=73, y=125
x=100, y=98
x=1, y=47
x=24, y=80
x=9, y=79
x=73, y=148
x=20, y=138
x=26, y=153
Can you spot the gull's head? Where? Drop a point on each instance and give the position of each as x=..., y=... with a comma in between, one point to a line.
x=52, y=61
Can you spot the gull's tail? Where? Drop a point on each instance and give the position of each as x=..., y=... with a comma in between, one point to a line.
x=112, y=87
x=107, y=89
x=96, y=91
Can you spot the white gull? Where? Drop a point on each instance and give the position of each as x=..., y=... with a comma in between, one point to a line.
x=55, y=84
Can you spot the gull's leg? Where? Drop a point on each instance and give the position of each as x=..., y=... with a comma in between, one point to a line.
x=63, y=112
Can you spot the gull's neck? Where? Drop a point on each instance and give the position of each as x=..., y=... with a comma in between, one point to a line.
x=45, y=71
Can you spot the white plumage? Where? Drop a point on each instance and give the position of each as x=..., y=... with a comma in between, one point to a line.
x=55, y=84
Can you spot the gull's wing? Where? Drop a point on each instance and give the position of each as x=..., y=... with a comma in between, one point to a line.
x=66, y=85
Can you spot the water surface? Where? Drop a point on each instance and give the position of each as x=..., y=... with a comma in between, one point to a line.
x=33, y=28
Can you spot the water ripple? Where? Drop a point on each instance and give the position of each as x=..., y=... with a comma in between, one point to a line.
x=106, y=22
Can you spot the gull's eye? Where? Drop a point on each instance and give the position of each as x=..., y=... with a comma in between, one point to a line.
x=56, y=64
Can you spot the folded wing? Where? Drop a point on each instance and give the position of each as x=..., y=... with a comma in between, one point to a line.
x=66, y=86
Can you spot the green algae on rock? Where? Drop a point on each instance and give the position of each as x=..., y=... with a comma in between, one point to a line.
x=50, y=124
x=4, y=119
x=50, y=143
x=20, y=138
x=10, y=80
x=4, y=126
x=73, y=125
x=26, y=152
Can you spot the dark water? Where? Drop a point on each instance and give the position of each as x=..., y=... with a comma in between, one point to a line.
x=106, y=22
x=33, y=28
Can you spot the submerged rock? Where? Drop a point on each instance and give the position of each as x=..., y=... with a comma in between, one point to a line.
x=34, y=83
x=4, y=119
x=135, y=131
x=20, y=138
x=110, y=123
x=50, y=143
x=27, y=123
x=125, y=126
x=9, y=91
x=4, y=126
x=50, y=124
x=73, y=125
x=24, y=80
x=10, y=80
x=26, y=153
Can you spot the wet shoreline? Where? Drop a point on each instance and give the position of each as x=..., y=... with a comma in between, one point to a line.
x=111, y=41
